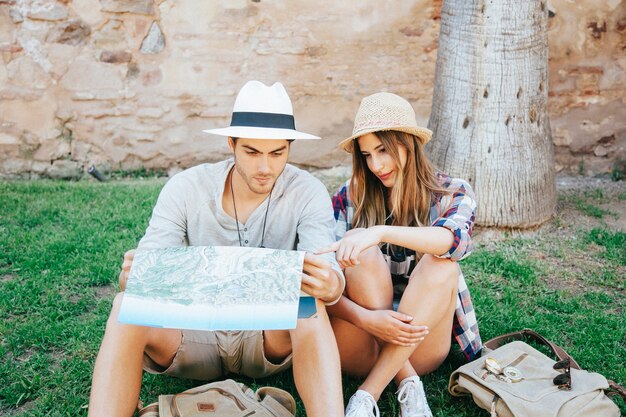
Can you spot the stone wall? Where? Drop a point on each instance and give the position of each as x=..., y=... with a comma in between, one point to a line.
x=125, y=84
x=587, y=96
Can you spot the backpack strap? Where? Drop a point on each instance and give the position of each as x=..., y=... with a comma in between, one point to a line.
x=560, y=353
x=277, y=401
x=615, y=389
x=151, y=410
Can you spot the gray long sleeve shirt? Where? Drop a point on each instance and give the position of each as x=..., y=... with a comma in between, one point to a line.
x=189, y=212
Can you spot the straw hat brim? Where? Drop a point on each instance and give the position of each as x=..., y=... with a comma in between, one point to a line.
x=421, y=132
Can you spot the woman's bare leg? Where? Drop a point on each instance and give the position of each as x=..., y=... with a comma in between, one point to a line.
x=430, y=298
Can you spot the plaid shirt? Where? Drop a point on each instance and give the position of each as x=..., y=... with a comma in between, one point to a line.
x=454, y=211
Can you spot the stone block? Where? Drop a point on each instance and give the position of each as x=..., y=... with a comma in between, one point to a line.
x=73, y=32
x=53, y=149
x=128, y=6
x=61, y=56
x=47, y=10
x=152, y=77
x=11, y=48
x=64, y=169
x=561, y=137
x=136, y=28
x=183, y=15
x=9, y=146
x=36, y=116
x=600, y=151
x=16, y=15
x=11, y=168
x=111, y=35
x=81, y=151
x=88, y=11
x=65, y=114
x=115, y=57
x=150, y=112
x=97, y=110
x=23, y=71
x=154, y=42
x=87, y=75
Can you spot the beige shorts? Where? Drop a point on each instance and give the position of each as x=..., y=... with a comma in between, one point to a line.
x=205, y=355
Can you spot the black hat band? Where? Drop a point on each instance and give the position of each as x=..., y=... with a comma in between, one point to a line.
x=267, y=120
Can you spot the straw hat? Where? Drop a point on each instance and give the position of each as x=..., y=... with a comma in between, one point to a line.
x=385, y=111
x=262, y=112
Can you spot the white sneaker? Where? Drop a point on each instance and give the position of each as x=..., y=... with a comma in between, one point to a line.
x=362, y=404
x=412, y=398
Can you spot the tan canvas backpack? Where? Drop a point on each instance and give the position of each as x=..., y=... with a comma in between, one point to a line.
x=224, y=399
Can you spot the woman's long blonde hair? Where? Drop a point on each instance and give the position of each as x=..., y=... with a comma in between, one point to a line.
x=412, y=193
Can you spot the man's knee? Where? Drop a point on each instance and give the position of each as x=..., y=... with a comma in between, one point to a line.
x=115, y=310
x=139, y=333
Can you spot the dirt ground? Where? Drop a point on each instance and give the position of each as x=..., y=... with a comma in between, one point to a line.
x=571, y=189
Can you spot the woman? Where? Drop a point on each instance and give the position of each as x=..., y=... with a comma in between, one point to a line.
x=401, y=227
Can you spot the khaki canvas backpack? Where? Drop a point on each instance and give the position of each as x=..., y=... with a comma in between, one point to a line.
x=224, y=399
x=527, y=383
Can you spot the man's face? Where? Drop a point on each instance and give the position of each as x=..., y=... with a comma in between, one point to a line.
x=259, y=162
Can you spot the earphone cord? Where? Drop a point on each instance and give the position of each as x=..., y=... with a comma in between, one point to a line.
x=269, y=199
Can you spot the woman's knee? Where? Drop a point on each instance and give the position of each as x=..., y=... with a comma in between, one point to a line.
x=369, y=283
x=425, y=364
x=437, y=272
x=372, y=264
x=372, y=256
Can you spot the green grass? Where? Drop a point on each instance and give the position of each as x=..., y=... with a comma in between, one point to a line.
x=614, y=244
x=587, y=202
x=61, y=245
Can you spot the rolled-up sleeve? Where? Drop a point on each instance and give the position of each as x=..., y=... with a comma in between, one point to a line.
x=459, y=218
x=315, y=228
x=168, y=224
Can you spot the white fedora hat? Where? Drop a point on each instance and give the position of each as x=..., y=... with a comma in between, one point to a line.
x=262, y=112
x=385, y=111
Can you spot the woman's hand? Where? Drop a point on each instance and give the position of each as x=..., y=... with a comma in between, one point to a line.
x=393, y=327
x=352, y=244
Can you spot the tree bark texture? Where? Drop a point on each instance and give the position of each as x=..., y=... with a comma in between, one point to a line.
x=489, y=115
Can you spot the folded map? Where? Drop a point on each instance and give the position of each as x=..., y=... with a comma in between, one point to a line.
x=216, y=288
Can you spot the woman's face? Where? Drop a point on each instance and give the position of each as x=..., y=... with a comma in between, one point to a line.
x=379, y=160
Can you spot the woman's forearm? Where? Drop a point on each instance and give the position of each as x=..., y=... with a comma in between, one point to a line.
x=431, y=240
x=347, y=310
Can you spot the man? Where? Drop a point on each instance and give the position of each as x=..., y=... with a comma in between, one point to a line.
x=255, y=199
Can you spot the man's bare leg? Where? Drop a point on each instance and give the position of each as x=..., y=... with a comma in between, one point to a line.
x=316, y=367
x=117, y=374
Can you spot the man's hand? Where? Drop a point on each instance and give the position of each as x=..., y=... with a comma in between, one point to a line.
x=352, y=244
x=319, y=280
x=393, y=327
x=128, y=261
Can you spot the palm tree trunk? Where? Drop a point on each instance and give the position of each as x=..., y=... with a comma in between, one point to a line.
x=489, y=114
